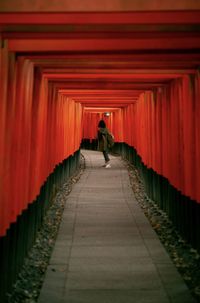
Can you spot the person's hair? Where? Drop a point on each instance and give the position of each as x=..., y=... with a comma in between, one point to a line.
x=102, y=124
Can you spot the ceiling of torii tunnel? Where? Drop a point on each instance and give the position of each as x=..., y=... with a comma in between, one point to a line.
x=106, y=60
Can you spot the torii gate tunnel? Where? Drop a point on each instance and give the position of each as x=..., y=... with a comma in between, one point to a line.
x=60, y=72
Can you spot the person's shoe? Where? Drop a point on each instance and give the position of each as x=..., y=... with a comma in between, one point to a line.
x=108, y=165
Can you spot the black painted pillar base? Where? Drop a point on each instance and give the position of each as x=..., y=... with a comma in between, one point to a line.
x=89, y=144
x=181, y=210
x=20, y=237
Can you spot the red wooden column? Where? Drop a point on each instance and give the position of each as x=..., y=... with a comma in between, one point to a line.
x=39, y=129
x=3, y=110
x=165, y=133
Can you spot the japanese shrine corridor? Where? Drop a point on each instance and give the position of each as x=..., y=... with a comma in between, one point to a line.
x=64, y=66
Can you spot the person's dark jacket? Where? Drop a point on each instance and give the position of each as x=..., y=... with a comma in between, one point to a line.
x=102, y=139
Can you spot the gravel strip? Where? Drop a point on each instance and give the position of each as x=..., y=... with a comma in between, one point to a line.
x=28, y=285
x=185, y=258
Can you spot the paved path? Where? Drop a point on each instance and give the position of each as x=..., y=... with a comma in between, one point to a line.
x=106, y=250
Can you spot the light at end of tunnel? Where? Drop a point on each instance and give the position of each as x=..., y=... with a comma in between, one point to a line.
x=106, y=114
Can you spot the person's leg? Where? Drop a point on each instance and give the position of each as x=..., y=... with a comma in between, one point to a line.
x=106, y=157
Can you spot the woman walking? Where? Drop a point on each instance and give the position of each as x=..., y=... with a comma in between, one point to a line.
x=103, y=133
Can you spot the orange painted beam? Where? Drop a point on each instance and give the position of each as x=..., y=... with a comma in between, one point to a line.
x=105, y=101
x=34, y=45
x=67, y=72
x=126, y=77
x=89, y=61
x=102, y=33
x=151, y=17
x=106, y=85
x=94, y=92
x=108, y=98
x=108, y=58
x=99, y=109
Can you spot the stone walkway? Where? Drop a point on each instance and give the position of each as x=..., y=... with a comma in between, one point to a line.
x=106, y=250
